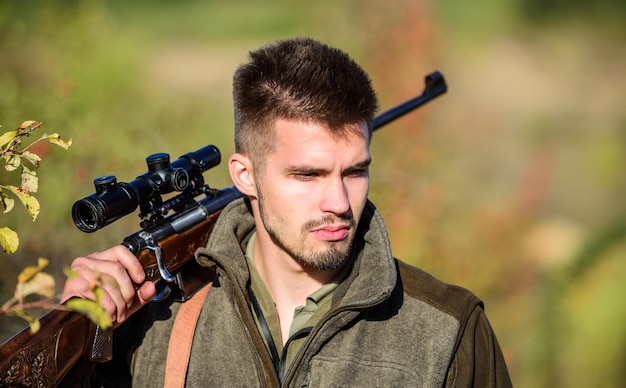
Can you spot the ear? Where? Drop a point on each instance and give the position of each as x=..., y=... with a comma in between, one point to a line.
x=242, y=174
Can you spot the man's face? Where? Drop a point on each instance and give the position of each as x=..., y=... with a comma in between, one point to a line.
x=312, y=192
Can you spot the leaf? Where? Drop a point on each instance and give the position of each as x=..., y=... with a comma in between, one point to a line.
x=30, y=182
x=29, y=272
x=7, y=202
x=12, y=162
x=99, y=293
x=31, y=157
x=30, y=124
x=31, y=203
x=70, y=273
x=33, y=322
x=7, y=137
x=41, y=284
x=91, y=310
x=55, y=138
x=9, y=240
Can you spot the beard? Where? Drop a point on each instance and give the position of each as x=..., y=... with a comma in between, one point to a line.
x=333, y=257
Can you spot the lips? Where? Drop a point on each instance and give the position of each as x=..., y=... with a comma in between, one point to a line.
x=331, y=232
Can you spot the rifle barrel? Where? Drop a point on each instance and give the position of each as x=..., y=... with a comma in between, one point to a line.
x=435, y=86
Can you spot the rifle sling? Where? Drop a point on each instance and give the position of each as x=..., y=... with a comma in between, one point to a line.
x=179, y=348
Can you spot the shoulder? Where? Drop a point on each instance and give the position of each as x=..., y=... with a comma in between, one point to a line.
x=450, y=299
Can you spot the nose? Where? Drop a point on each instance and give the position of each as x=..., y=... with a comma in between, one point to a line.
x=335, y=198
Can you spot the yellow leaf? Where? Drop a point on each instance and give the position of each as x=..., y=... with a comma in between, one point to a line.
x=7, y=202
x=91, y=310
x=41, y=284
x=9, y=240
x=70, y=273
x=30, y=123
x=31, y=203
x=30, y=182
x=99, y=293
x=7, y=137
x=31, y=157
x=29, y=272
x=55, y=139
x=33, y=322
x=12, y=162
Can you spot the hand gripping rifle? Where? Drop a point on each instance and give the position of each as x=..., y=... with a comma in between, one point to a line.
x=165, y=246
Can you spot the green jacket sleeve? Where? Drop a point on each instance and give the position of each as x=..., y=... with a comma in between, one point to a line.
x=478, y=360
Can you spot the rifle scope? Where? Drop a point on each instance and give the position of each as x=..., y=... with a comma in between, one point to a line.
x=113, y=200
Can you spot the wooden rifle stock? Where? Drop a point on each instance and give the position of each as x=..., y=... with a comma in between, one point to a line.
x=44, y=358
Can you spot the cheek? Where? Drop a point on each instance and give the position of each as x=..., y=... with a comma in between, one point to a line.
x=283, y=200
x=358, y=197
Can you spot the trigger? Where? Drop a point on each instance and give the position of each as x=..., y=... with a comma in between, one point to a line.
x=163, y=290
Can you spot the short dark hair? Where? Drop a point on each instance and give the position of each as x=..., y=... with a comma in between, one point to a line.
x=298, y=79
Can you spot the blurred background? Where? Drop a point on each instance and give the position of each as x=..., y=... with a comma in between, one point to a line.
x=511, y=184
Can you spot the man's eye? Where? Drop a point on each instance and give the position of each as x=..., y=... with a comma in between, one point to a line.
x=305, y=176
x=360, y=173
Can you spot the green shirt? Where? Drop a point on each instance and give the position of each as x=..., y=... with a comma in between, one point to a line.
x=317, y=304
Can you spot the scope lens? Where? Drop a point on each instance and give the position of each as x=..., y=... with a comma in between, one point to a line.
x=86, y=216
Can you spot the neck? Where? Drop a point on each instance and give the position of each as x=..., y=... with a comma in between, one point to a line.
x=286, y=279
x=288, y=282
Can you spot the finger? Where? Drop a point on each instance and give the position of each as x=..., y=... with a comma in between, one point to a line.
x=113, y=291
x=107, y=302
x=112, y=276
x=127, y=259
x=77, y=286
x=85, y=282
x=82, y=286
x=103, y=271
x=145, y=294
x=118, y=273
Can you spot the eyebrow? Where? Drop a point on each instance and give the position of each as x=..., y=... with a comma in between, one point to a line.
x=359, y=166
x=304, y=169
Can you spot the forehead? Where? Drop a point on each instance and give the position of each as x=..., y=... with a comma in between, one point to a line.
x=302, y=134
x=299, y=145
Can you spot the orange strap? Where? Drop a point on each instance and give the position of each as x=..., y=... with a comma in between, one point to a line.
x=179, y=348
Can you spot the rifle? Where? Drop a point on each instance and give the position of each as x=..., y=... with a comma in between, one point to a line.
x=164, y=245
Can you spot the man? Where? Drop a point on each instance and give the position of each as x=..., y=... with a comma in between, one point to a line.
x=306, y=291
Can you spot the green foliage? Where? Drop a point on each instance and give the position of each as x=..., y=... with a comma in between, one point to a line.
x=581, y=314
x=92, y=309
x=15, y=156
x=32, y=281
x=546, y=10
